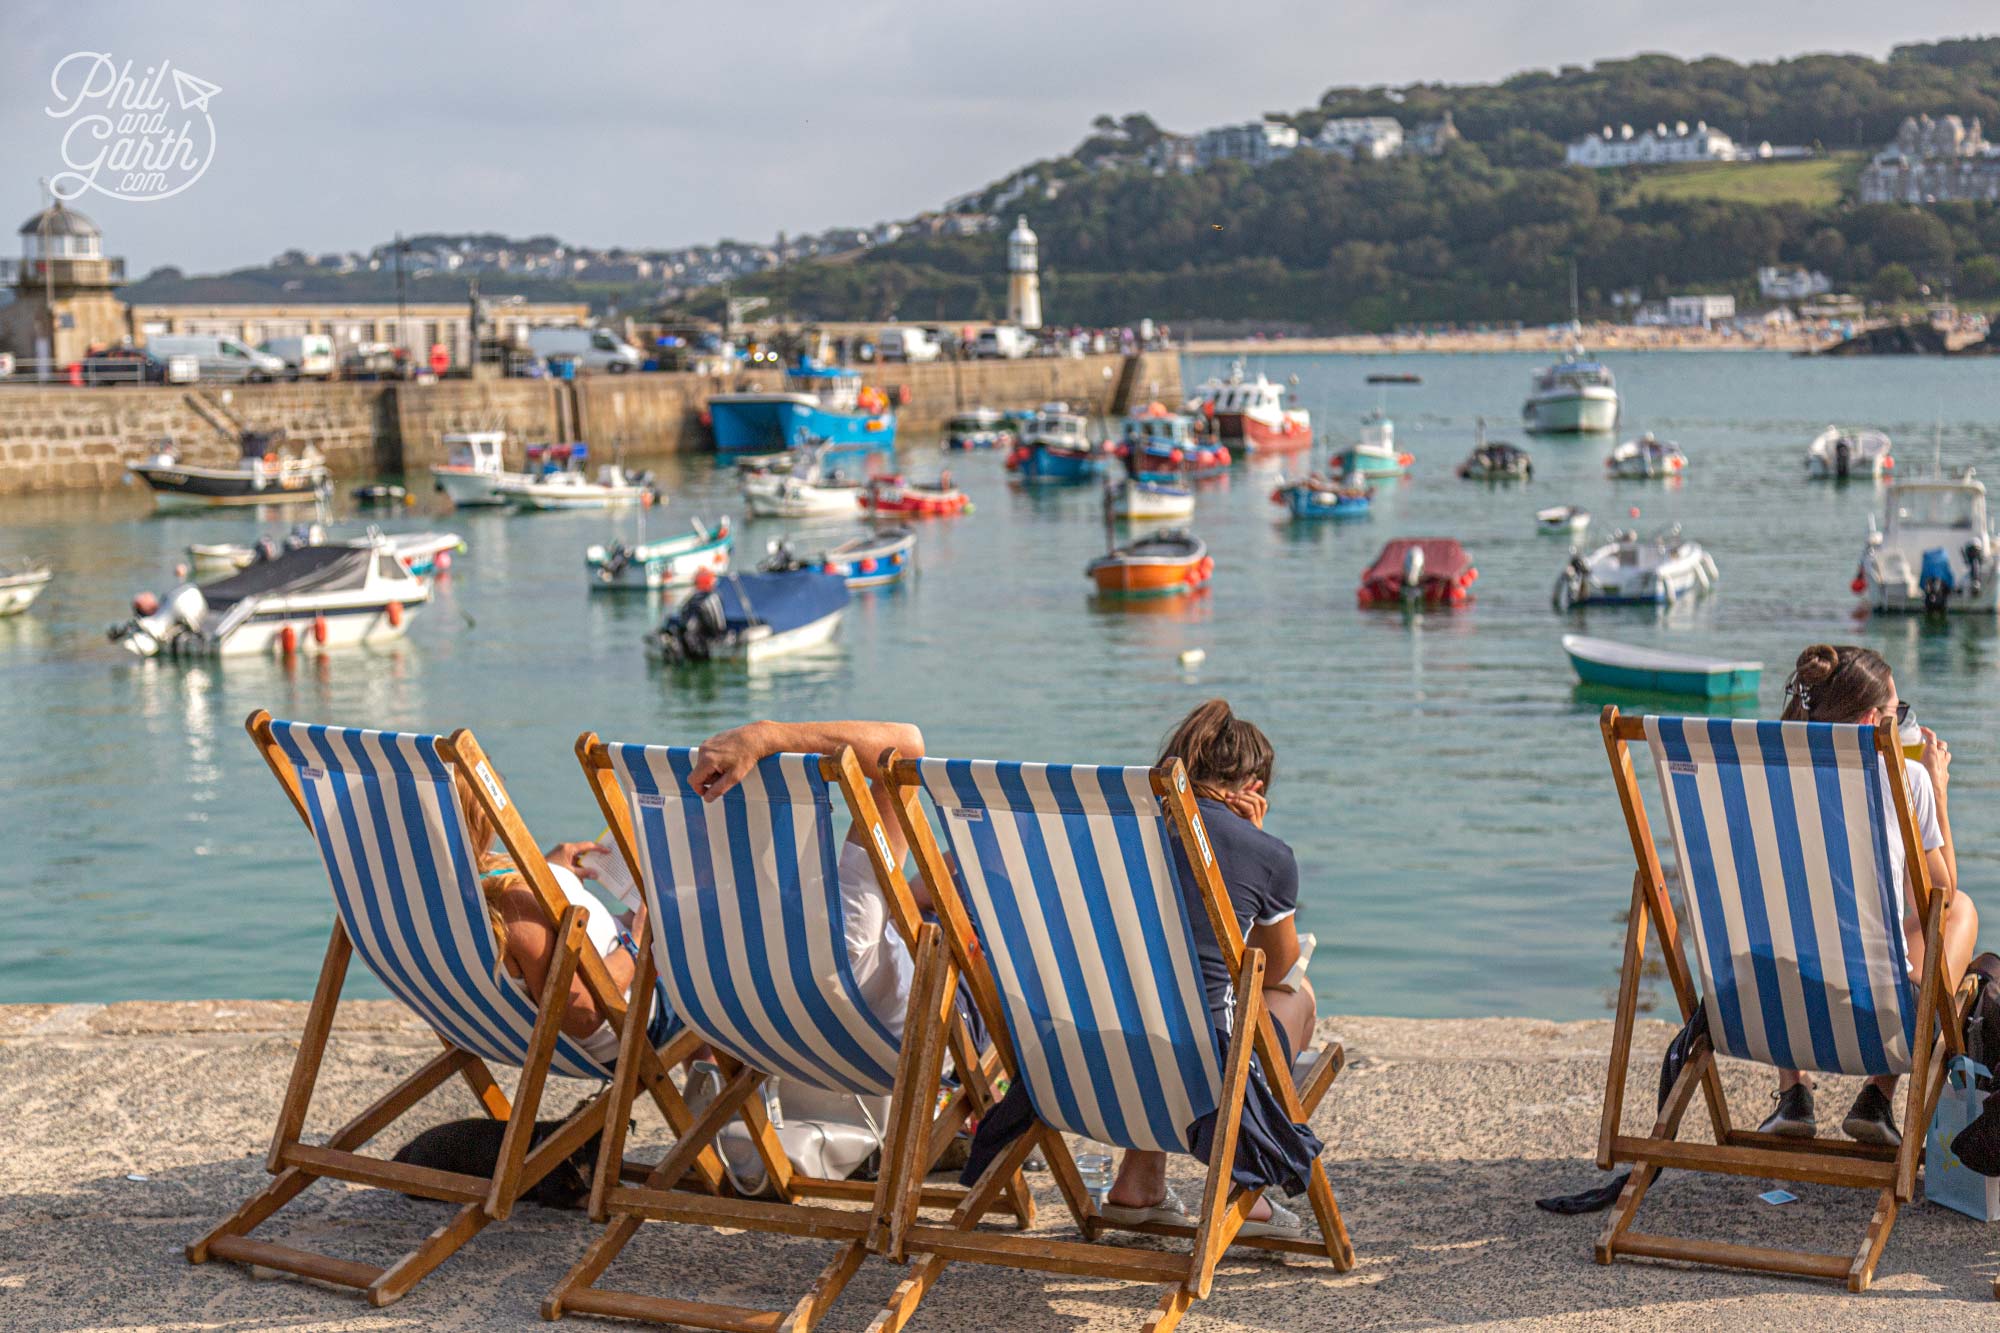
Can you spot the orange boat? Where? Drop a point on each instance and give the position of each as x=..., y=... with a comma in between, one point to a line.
x=1167, y=564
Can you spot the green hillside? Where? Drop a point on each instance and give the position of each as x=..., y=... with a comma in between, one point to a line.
x=1815, y=183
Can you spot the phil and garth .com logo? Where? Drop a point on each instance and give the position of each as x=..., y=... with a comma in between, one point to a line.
x=136, y=136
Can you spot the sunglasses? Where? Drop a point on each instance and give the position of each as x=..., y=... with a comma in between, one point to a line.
x=1902, y=713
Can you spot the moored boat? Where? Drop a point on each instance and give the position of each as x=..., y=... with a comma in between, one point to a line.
x=475, y=465
x=751, y=618
x=1375, y=454
x=824, y=403
x=810, y=490
x=671, y=562
x=1561, y=520
x=1324, y=497
x=873, y=559
x=307, y=599
x=1837, y=455
x=422, y=553
x=262, y=475
x=1165, y=564
x=1251, y=415
x=1934, y=552
x=558, y=478
x=1161, y=446
x=1130, y=500
x=1417, y=572
x=1646, y=458
x=1626, y=666
x=895, y=495
x=1057, y=449
x=979, y=428
x=1574, y=396
x=1496, y=460
x=21, y=584
x=1633, y=570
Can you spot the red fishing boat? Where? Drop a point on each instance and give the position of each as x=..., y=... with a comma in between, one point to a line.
x=1251, y=415
x=1419, y=571
x=894, y=495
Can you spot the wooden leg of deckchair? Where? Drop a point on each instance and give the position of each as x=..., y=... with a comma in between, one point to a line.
x=910, y=1291
x=1332, y=1230
x=486, y=1089
x=1694, y=1073
x=1174, y=1303
x=439, y=1246
x=812, y=1307
x=552, y=1008
x=1069, y=1180
x=1624, y=1211
x=1863, y=1272
x=906, y=1153
x=609, y=1244
x=1218, y=1224
x=1621, y=1025
x=624, y=1089
x=312, y=1046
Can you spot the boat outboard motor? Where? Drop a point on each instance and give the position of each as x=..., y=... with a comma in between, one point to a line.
x=1573, y=582
x=1413, y=573
x=1935, y=579
x=1975, y=573
x=1842, y=452
x=692, y=633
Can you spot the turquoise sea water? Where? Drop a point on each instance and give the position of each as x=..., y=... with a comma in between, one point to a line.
x=1441, y=777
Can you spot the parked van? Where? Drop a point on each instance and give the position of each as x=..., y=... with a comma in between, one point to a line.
x=1005, y=342
x=906, y=343
x=307, y=356
x=592, y=349
x=219, y=357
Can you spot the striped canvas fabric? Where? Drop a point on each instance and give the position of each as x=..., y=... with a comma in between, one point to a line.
x=1781, y=830
x=1068, y=874
x=747, y=922
x=389, y=829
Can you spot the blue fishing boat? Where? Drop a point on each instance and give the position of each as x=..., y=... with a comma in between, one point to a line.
x=1161, y=446
x=1057, y=449
x=874, y=559
x=1602, y=662
x=818, y=402
x=751, y=617
x=1316, y=497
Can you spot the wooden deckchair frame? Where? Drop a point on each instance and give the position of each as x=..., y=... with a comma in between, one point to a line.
x=1225, y=1206
x=481, y=1199
x=1890, y=1172
x=913, y=1140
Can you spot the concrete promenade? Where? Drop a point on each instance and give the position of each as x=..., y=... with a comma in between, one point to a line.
x=127, y=1130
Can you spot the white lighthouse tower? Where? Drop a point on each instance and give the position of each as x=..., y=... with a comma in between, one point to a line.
x=1024, y=280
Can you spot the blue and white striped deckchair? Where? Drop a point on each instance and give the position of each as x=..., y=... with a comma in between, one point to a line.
x=384, y=813
x=1781, y=832
x=746, y=934
x=1064, y=899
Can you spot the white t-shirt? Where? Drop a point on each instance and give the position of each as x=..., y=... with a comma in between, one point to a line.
x=1923, y=805
x=602, y=927
x=876, y=953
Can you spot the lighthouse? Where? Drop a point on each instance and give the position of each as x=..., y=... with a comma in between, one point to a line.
x=1024, y=281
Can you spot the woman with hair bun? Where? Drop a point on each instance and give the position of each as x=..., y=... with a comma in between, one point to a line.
x=1229, y=763
x=1853, y=685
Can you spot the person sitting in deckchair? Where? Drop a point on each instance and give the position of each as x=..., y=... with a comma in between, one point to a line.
x=1229, y=761
x=528, y=943
x=876, y=953
x=1850, y=684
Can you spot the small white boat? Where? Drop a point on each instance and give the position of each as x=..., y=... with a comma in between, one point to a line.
x=809, y=490
x=262, y=475
x=1574, y=396
x=309, y=599
x=1837, y=455
x=1632, y=570
x=1561, y=520
x=1130, y=500
x=750, y=618
x=668, y=563
x=1624, y=666
x=872, y=560
x=473, y=469
x=422, y=553
x=20, y=585
x=564, y=483
x=1646, y=457
x=1935, y=552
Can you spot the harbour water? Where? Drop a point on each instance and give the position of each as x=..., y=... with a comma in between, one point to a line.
x=1440, y=776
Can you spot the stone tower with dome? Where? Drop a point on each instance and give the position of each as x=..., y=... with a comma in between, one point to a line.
x=65, y=293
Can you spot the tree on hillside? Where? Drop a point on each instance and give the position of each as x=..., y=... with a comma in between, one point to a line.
x=1892, y=282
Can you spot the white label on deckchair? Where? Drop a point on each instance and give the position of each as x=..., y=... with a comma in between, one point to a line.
x=1686, y=768
x=651, y=800
x=882, y=846
x=312, y=774
x=492, y=785
x=967, y=816
x=1201, y=838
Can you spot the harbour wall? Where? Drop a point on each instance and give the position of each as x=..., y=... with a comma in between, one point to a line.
x=68, y=439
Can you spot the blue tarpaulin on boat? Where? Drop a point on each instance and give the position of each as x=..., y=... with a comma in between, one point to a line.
x=1937, y=565
x=782, y=601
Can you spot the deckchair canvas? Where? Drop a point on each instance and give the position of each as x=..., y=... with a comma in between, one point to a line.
x=1062, y=904
x=384, y=814
x=1781, y=833
x=745, y=935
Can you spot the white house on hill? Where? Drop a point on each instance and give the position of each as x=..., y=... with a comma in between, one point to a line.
x=1662, y=144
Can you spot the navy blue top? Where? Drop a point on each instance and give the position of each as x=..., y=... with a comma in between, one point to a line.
x=1262, y=876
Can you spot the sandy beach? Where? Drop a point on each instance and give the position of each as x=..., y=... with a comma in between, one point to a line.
x=132, y=1128
x=1595, y=337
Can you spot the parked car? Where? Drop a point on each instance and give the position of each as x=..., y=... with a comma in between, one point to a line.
x=593, y=349
x=218, y=357
x=124, y=365
x=1004, y=342
x=906, y=343
x=307, y=356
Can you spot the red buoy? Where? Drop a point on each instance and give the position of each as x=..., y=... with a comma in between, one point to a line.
x=319, y=629
x=288, y=639
x=396, y=615
x=704, y=579
x=1860, y=584
x=442, y=562
x=868, y=564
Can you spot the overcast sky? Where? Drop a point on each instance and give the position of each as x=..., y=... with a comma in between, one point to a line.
x=651, y=124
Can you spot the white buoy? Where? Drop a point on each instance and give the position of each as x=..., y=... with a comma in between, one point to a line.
x=1194, y=657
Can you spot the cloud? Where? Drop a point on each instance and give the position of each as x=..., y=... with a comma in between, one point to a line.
x=645, y=124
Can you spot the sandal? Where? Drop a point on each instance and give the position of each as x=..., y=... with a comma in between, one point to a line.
x=1169, y=1211
x=1282, y=1224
